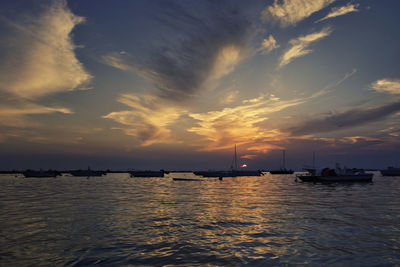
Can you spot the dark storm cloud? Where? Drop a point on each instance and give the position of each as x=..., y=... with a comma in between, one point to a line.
x=348, y=119
x=191, y=35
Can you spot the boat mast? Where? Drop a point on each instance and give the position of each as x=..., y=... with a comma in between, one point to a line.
x=284, y=160
x=313, y=160
x=235, y=159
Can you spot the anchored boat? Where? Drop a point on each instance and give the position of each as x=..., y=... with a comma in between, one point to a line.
x=233, y=172
x=391, y=171
x=336, y=175
x=40, y=174
x=283, y=169
x=87, y=173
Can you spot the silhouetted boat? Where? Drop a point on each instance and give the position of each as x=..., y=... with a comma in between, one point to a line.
x=337, y=175
x=147, y=173
x=87, y=173
x=282, y=170
x=40, y=174
x=391, y=171
x=233, y=172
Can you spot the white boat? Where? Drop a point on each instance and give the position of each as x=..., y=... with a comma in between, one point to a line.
x=336, y=175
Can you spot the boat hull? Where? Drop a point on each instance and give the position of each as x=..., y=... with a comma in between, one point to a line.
x=86, y=173
x=390, y=172
x=40, y=174
x=339, y=178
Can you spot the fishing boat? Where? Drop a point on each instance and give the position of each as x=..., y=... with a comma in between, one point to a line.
x=283, y=169
x=391, y=171
x=40, y=174
x=233, y=172
x=336, y=175
x=147, y=173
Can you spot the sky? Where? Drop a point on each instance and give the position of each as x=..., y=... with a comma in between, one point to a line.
x=170, y=84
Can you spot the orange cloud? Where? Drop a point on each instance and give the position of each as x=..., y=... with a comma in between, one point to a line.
x=240, y=125
x=290, y=12
x=147, y=120
x=16, y=115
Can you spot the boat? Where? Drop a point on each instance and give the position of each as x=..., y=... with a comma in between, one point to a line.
x=233, y=172
x=87, y=173
x=336, y=175
x=283, y=169
x=40, y=174
x=147, y=173
x=214, y=173
x=391, y=171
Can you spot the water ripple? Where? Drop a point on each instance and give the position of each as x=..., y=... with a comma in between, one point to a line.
x=258, y=221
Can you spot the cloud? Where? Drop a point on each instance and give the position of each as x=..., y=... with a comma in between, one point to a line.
x=340, y=11
x=290, y=12
x=299, y=46
x=16, y=115
x=38, y=54
x=194, y=49
x=241, y=124
x=268, y=45
x=229, y=97
x=390, y=86
x=147, y=120
x=345, y=120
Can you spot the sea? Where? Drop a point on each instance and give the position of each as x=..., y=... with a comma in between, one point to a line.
x=271, y=220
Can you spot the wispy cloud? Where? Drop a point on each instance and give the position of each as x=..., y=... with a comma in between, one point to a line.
x=16, y=115
x=39, y=56
x=390, y=86
x=290, y=12
x=268, y=45
x=210, y=45
x=229, y=97
x=340, y=11
x=300, y=46
x=344, y=120
x=241, y=124
x=147, y=120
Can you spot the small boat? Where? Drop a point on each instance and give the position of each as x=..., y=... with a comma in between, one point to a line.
x=391, y=171
x=87, y=173
x=282, y=170
x=233, y=172
x=336, y=175
x=147, y=173
x=214, y=173
x=40, y=174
